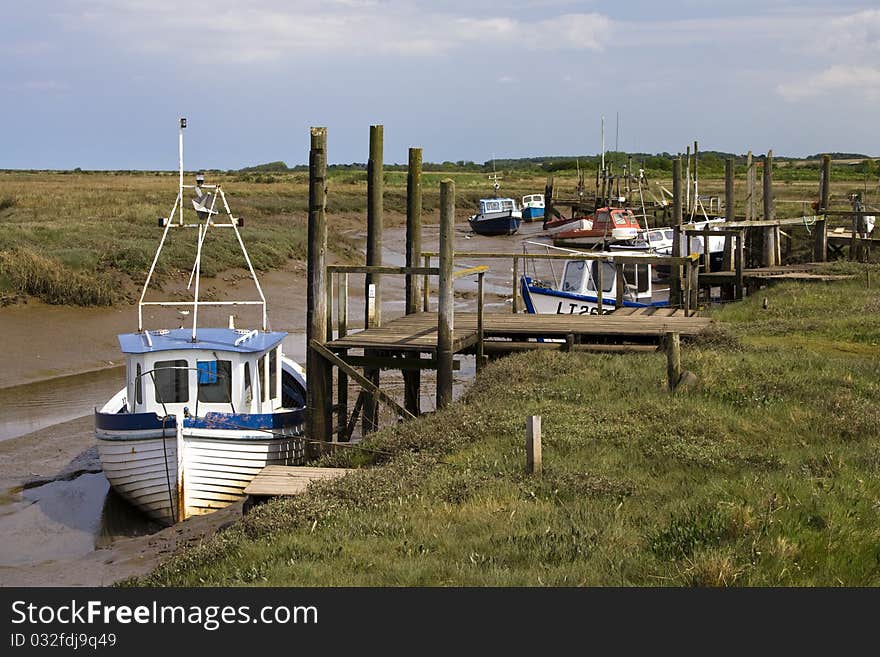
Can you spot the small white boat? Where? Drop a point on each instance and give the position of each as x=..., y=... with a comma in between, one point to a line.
x=576, y=291
x=532, y=207
x=203, y=409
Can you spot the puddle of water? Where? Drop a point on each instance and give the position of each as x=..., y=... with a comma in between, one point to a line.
x=34, y=406
x=64, y=520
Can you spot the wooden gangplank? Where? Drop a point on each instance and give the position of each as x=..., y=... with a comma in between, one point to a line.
x=802, y=272
x=289, y=479
x=418, y=332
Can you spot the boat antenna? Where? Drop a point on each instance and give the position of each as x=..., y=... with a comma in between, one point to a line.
x=494, y=177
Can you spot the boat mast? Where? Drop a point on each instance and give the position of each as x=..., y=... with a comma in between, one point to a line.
x=180, y=163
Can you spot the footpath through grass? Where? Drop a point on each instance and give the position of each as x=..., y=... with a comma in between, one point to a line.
x=765, y=474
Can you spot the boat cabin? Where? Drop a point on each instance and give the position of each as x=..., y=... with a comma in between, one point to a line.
x=533, y=201
x=496, y=205
x=224, y=371
x=614, y=218
x=582, y=276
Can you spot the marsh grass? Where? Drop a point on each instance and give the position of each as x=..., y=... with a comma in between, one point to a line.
x=765, y=474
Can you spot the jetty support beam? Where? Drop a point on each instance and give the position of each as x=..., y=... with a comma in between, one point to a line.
x=318, y=372
x=445, y=304
x=412, y=377
x=373, y=282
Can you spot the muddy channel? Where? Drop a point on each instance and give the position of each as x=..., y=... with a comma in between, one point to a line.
x=61, y=524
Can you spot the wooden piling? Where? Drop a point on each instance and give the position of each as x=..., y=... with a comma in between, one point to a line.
x=673, y=360
x=373, y=296
x=751, y=177
x=820, y=244
x=619, y=284
x=729, y=212
x=342, y=434
x=318, y=372
x=412, y=378
x=675, y=286
x=771, y=233
x=445, y=308
x=740, y=264
x=534, y=458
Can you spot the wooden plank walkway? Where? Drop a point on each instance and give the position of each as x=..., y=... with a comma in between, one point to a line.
x=802, y=272
x=289, y=479
x=418, y=332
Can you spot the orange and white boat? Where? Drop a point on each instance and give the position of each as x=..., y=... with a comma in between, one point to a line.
x=608, y=225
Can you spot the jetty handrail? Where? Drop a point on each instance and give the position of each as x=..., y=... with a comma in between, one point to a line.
x=341, y=288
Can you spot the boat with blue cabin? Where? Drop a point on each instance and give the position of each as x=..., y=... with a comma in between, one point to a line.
x=532, y=207
x=204, y=408
x=496, y=215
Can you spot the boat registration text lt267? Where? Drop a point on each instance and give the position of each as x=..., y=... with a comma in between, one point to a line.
x=579, y=309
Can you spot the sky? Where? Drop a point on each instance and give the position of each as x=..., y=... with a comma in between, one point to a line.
x=99, y=84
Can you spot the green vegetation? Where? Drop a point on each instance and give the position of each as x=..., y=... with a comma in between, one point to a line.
x=86, y=239
x=100, y=230
x=765, y=474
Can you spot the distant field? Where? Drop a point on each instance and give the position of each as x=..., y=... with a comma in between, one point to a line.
x=88, y=238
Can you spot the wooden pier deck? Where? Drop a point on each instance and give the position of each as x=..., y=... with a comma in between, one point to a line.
x=755, y=276
x=418, y=332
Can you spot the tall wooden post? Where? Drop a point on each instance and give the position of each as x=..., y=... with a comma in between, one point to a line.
x=820, y=246
x=373, y=282
x=770, y=232
x=675, y=269
x=750, y=187
x=318, y=371
x=445, y=309
x=412, y=378
x=729, y=214
x=548, y=200
x=740, y=264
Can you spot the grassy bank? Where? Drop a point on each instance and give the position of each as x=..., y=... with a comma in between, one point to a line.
x=765, y=474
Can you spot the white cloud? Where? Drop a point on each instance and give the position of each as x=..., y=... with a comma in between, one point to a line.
x=854, y=35
x=273, y=29
x=861, y=82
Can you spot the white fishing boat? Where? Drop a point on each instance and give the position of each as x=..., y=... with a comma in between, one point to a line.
x=204, y=408
x=576, y=292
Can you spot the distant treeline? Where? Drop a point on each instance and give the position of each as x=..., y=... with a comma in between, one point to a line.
x=710, y=162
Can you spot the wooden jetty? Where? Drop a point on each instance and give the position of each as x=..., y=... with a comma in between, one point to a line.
x=275, y=480
x=429, y=340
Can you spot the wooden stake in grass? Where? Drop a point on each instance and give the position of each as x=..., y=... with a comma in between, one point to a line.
x=673, y=360
x=534, y=461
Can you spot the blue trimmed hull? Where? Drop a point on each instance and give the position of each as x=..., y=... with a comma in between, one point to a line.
x=220, y=455
x=532, y=214
x=504, y=225
x=546, y=300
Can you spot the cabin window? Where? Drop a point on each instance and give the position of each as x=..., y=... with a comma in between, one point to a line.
x=215, y=381
x=273, y=374
x=636, y=275
x=620, y=219
x=138, y=386
x=248, y=390
x=608, y=275
x=668, y=234
x=261, y=374
x=574, y=276
x=494, y=206
x=172, y=381
x=655, y=236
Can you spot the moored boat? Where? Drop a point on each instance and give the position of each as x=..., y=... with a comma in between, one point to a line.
x=576, y=293
x=608, y=225
x=532, y=207
x=497, y=216
x=204, y=409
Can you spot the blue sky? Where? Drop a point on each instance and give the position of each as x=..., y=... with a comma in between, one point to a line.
x=99, y=84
